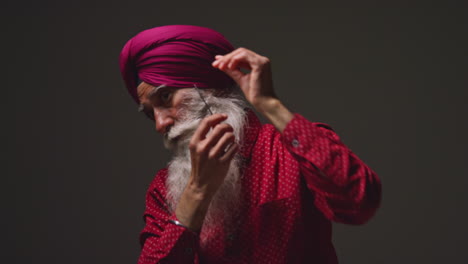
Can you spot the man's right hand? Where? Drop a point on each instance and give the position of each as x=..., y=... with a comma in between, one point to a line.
x=212, y=148
x=211, y=153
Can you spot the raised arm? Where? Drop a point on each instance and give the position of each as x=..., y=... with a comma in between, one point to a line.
x=345, y=188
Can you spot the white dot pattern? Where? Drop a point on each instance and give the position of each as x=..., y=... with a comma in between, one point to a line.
x=294, y=184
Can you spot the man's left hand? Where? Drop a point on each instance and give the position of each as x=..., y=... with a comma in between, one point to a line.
x=257, y=85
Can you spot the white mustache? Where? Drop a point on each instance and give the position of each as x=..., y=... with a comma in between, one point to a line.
x=183, y=129
x=181, y=132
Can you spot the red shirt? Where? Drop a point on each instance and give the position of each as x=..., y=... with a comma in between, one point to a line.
x=294, y=184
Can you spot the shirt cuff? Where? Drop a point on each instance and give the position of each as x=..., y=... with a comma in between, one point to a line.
x=306, y=138
x=184, y=241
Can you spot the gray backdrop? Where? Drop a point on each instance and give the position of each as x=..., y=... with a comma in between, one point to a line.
x=391, y=81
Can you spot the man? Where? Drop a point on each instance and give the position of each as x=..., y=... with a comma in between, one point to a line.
x=237, y=191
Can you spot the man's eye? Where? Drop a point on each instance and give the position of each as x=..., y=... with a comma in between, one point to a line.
x=165, y=97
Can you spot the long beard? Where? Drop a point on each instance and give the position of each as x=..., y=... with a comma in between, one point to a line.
x=225, y=203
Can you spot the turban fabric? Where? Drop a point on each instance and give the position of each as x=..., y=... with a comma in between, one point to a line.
x=176, y=56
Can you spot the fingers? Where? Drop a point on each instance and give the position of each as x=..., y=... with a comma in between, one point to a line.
x=219, y=131
x=231, y=63
x=235, y=74
x=240, y=57
x=205, y=125
x=222, y=62
x=222, y=145
x=227, y=157
x=217, y=144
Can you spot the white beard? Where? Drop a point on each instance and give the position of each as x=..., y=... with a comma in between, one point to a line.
x=226, y=200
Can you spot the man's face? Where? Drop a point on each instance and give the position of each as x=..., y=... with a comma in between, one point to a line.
x=163, y=105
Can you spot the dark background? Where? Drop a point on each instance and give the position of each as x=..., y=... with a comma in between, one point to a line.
x=391, y=81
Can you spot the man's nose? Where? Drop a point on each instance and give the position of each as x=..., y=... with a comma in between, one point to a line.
x=163, y=121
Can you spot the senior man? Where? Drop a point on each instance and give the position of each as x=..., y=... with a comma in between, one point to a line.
x=237, y=191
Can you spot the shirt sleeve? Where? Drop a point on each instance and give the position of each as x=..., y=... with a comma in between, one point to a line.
x=346, y=190
x=161, y=240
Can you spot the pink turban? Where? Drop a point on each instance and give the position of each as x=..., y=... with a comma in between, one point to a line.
x=175, y=55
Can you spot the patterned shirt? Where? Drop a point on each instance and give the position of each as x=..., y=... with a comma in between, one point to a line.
x=293, y=185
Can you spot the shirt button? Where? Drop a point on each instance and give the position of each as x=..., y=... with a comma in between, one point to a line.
x=188, y=251
x=295, y=143
x=231, y=237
